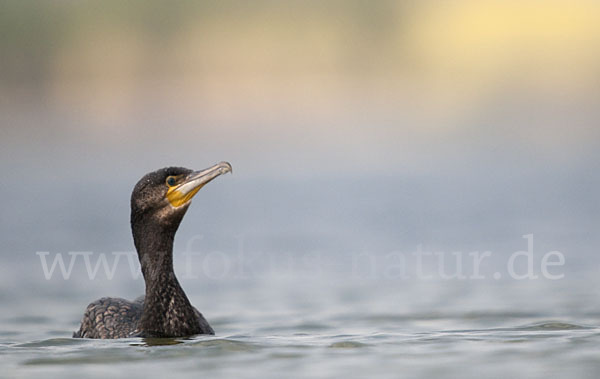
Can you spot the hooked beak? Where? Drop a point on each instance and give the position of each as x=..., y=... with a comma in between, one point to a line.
x=183, y=193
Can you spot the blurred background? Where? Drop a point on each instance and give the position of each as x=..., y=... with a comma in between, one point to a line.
x=352, y=126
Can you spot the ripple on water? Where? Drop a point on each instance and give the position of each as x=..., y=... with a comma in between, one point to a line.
x=55, y=342
x=552, y=326
x=157, y=342
x=303, y=327
x=225, y=345
x=347, y=345
x=29, y=319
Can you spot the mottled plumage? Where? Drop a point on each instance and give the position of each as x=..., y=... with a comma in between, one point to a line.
x=158, y=203
x=113, y=317
x=110, y=317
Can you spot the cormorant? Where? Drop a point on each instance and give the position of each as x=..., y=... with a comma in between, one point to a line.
x=158, y=203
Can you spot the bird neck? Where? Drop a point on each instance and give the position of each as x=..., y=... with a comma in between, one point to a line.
x=167, y=310
x=155, y=252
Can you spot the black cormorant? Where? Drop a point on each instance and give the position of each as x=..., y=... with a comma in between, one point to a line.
x=158, y=203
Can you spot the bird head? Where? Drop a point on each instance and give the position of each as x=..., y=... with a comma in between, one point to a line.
x=162, y=197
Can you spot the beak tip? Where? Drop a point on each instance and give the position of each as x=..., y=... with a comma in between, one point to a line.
x=226, y=167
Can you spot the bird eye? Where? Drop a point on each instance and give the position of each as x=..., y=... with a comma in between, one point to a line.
x=171, y=181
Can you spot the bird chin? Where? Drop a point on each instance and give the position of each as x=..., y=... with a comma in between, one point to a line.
x=166, y=214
